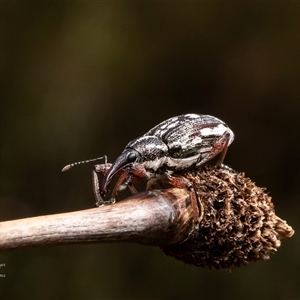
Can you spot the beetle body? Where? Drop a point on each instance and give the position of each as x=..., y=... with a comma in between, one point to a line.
x=177, y=144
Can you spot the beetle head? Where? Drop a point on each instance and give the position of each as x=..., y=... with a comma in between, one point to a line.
x=143, y=150
x=125, y=160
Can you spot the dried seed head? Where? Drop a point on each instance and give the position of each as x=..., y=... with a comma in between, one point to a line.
x=239, y=224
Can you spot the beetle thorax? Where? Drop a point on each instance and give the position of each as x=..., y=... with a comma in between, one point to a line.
x=153, y=152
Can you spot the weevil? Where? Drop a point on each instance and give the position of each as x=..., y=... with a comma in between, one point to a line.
x=178, y=144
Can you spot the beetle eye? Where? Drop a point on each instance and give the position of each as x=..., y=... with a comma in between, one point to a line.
x=131, y=157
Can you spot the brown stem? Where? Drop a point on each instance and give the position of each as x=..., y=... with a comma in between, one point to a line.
x=150, y=218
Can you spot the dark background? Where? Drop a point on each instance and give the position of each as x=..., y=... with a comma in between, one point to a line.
x=81, y=79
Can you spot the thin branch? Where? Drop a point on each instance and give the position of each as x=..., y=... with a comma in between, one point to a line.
x=150, y=218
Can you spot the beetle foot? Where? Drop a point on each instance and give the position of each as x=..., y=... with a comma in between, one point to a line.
x=103, y=203
x=225, y=167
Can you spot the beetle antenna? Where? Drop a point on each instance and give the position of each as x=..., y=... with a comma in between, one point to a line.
x=68, y=167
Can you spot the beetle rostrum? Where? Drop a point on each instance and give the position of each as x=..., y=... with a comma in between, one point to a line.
x=177, y=144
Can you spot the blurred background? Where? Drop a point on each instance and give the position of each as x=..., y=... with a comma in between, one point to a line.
x=82, y=79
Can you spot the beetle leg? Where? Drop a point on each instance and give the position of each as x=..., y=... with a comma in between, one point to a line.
x=139, y=171
x=99, y=200
x=221, y=147
x=183, y=183
x=99, y=169
x=224, y=140
x=121, y=184
x=132, y=188
x=128, y=183
x=180, y=182
x=135, y=173
x=124, y=181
